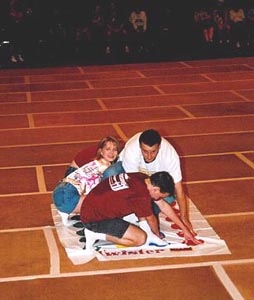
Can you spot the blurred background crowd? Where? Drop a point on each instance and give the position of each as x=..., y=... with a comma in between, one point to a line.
x=50, y=32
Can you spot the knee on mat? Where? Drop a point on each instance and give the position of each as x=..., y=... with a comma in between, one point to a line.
x=141, y=239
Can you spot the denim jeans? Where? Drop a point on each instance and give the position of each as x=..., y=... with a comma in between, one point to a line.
x=116, y=168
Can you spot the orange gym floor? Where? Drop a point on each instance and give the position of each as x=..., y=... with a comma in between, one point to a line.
x=205, y=107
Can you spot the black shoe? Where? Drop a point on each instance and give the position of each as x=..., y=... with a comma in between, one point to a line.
x=81, y=232
x=75, y=218
x=78, y=225
x=83, y=239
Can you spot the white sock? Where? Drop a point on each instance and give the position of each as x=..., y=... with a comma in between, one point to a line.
x=64, y=217
x=91, y=237
x=151, y=237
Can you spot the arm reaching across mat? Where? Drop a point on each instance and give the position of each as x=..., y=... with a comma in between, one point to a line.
x=167, y=210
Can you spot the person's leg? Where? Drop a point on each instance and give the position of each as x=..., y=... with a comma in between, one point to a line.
x=133, y=237
x=205, y=34
x=211, y=33
x=119, y=231
x=78, y=207
x=65, y=198
x=116, y=168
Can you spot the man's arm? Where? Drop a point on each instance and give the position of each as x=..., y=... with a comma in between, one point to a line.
x=167, y=210
x=183, y=205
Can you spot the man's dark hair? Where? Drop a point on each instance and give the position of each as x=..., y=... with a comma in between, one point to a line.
x=164, y=181
x=150, y=137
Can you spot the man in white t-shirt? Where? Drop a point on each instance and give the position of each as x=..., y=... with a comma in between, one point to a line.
x=147, y=152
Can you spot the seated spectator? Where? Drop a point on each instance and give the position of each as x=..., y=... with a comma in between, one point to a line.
x=221, y=26
x=116, y=33
x=238, y=29
x=164, y=26
x=16, y=30
x=203, y=19
x=250, y=27
x=7, y=51
x=82, y=39
x=97, y=28
x=138, y=29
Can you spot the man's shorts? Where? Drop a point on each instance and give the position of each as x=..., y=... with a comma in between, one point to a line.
x=65, y=197
x=114, y=227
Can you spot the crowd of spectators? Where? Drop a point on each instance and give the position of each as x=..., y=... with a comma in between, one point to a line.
x=231, y=24
x=53, y=31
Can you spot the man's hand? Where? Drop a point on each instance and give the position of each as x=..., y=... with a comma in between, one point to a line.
x=188, y=224
x=190, y=237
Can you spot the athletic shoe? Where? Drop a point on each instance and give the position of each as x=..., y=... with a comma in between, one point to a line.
x=83, y=239
x=152, y=239
x=78, y=225
x=91, y=237
x=81, y=232
x=75, y=218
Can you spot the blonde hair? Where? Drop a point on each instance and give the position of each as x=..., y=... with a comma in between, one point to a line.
x=102, y=144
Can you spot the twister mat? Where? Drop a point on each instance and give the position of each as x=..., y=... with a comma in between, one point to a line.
x=74, y=245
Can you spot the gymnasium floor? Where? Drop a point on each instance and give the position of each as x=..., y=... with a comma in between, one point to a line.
x=205, y=107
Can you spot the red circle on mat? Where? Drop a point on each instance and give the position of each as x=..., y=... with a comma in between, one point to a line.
x=168, y=219
x=174, y=226
x=191, y=243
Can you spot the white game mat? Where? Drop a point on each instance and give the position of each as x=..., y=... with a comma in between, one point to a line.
x=106, y=251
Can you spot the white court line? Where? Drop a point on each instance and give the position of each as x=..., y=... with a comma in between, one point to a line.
x=226, y=281
x=25, y=229
x=245, y=159
x=185, y=111
x=53, y=251
x=208, y=78
x=41, y=179
x=120, y=132
x=53, y=227
x=126, y=270
x=229, y=215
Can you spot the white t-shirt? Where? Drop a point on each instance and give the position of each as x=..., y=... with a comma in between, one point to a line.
x=167, y=159
x=87, y=177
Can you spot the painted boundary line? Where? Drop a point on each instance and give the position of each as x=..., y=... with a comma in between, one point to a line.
x=157, y=121
x=53, y=251
x=127, y=270
x=227, y=283
x=229, y=215
x=184, y=182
